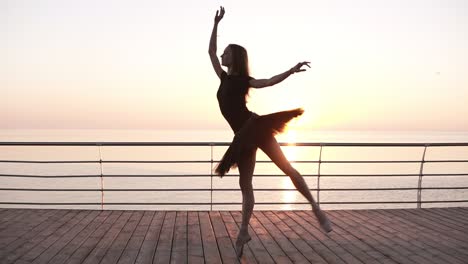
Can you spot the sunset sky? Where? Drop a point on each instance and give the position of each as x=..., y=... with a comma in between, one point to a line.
x=376, y=65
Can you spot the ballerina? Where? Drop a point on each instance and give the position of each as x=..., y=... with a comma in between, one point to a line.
x=251, y=130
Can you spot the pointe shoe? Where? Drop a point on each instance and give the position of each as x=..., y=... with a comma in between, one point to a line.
x=325, y=223
x=240, y=242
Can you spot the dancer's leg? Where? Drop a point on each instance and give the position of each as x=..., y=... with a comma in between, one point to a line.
x=273, y=150
x=246, y=167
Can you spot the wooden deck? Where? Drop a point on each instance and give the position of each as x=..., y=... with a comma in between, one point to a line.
x=360, y=236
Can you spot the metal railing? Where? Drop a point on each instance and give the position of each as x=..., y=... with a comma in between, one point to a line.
x=320, y=161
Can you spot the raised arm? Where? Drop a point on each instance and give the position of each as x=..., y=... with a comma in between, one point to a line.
x=260, y=83
x=212, y=48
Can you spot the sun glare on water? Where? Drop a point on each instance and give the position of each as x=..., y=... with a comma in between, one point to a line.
x=289, y=137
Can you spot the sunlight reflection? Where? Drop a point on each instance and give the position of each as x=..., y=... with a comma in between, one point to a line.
x=288, y=196
x=290, y=137
x=290, y=152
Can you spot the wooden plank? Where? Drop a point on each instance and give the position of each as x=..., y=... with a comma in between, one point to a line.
x=233, y=229
x=115, y=250
x=298, y=225
x=179, y=248
x=20, y=219
x=148, y=248
x=353, y=241
x=130, y=252
x=163, y=250
x=26, y=227
x=61, y=238
x=226, y=248
x=462, y=210
x=90, y=243
x=99, y=251
x=20, y=246
x=36, y=251
x=420, y=254
x=456, y=215
x=210, y=246
x=434, y=228
x=288, y=248
x=436, y=235
x=292, y=236
x=448, y=221
x=310, y=223
x=255, y=245
x=429, y=237
x=267, y=241
x=407, y=234
x=445, y=222
x=19, y=228
x=371, y=235
x=194, y=240
x=65, y=253
x=9, y=214
x=13, y=216
x=460, y=215
x=390, y=235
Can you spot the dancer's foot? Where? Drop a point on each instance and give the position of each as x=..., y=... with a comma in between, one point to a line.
x=242, y=239
x=325, y=223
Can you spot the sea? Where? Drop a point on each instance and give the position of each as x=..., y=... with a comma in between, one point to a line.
x=187, y=185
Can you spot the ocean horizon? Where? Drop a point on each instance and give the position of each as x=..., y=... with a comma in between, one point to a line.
x=226, y=135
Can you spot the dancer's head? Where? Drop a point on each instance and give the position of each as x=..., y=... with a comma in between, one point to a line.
x=235, y=57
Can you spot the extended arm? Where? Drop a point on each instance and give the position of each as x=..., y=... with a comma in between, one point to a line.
x=212, y=47
x=260, y=83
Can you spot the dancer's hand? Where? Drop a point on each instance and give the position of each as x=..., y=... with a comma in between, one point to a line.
x=298, y=66
x=219, y=15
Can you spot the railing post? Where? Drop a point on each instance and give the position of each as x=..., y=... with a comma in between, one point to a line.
x=421, y=176
x=211, y=178
x=318, y=175
x=102, y=179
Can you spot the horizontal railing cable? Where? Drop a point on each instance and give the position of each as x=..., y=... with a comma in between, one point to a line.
x=238, y=203
x=219, y=144
x=225, y=176
x=235, y=189
x=216, y=161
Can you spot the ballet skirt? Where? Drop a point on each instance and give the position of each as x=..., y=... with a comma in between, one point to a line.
x=251, y=134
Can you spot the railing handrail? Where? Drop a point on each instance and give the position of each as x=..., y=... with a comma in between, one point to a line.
x=206, y=143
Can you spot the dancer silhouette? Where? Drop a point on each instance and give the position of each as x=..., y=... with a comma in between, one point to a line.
x=251, y=130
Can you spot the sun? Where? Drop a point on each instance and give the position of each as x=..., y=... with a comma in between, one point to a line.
x=290, y=137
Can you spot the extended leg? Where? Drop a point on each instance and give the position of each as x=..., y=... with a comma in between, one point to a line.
x=273, y=150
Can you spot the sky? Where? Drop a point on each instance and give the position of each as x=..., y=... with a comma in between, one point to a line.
x=375, y=65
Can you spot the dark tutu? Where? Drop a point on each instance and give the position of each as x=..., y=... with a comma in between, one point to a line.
x=255, y=129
